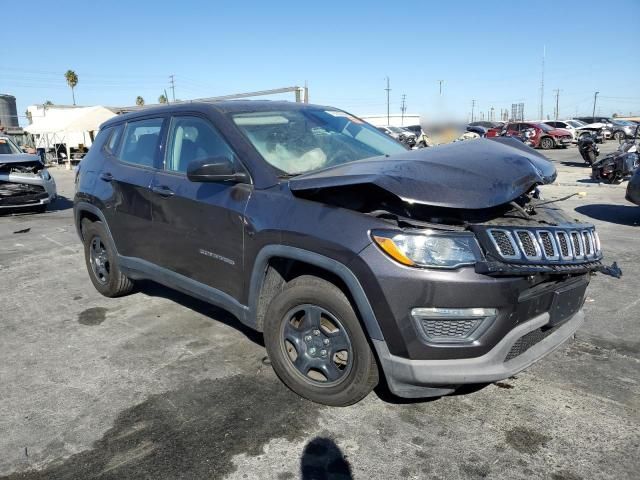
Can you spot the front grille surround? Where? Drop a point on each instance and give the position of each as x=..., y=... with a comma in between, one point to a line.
x=570, y=245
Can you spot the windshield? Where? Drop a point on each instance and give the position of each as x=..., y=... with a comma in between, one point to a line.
x=7, y=147
x=545, y=127
x=623, y=123
x=576, y=123
x=300, y=141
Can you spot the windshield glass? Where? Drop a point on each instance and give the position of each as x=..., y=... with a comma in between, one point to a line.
x=545, y=127
x=300, y=141
x=622, y=123
x=7, y=147
x=576, y=123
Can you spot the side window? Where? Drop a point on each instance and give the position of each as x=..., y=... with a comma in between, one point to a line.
x=114, y=139
x=193, y=138
x=141, y=139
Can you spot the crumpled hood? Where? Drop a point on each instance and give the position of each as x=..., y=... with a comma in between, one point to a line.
x=19, y=158
x=471, y=175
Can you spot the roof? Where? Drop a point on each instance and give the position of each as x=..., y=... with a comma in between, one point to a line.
x=227, y=106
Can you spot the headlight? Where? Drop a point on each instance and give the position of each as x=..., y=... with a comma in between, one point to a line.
x=430, y=248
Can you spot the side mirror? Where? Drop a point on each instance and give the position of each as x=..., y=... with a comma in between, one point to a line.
x=214, y=169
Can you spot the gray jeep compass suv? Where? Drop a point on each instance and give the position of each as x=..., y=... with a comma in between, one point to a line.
x=356, y=258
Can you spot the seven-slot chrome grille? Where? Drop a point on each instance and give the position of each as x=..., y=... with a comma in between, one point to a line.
x=550, y=245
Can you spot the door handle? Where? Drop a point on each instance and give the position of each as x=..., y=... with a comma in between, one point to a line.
x=162, y=190
x=106, y=176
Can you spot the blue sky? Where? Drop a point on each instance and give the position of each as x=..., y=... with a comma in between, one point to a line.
x=487, y=51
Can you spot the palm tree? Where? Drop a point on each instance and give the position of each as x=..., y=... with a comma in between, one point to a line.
x=48, y=103
x=72, y=81
x=162, y=98
x=139, y=101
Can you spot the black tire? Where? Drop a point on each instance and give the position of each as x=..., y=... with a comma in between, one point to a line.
x=590, y=158
x=312, y=301
x=102, y=263
x=547, y=143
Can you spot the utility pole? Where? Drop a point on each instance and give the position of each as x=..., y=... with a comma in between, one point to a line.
x=491, y=116
x=595, y=99
x=473, y=109
x=544, y=54
x=440, y=82
x=557, y=102
x=403, y=108
x=388, y=89
x=172, y=82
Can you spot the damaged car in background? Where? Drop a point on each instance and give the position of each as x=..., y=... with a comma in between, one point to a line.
x=25, y=183
x=357, y=258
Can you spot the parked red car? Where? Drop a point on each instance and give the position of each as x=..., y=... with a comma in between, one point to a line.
x=545, y=137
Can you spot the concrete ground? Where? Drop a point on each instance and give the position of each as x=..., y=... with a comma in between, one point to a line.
x=158, y=385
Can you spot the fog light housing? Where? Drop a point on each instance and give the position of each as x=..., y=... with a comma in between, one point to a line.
x=452, y=325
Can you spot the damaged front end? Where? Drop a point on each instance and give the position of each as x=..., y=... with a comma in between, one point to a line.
x=25, y=182
x=478, y=201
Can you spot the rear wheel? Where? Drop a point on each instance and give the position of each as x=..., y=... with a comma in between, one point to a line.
x=547, y=143
x=316, y=345
x=102, y=263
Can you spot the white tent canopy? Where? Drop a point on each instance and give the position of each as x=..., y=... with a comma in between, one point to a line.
x=84, y=119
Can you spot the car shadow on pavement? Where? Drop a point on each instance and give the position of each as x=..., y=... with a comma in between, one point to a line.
x=214, y=313
x=61, y=203
x=322, y=459
x=384, y=393
x=619, y=214
x=575, y=164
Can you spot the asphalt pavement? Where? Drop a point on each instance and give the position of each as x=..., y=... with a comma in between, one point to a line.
x=159, y=385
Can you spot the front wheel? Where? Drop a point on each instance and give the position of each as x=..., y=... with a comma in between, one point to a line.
x=316, y=345
x=547, y=143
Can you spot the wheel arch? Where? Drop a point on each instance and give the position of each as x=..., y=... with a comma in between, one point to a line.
x=277, y=264
x=84, y=210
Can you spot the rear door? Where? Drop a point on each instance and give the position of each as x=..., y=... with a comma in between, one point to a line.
x=198, y=226
x=129, y=172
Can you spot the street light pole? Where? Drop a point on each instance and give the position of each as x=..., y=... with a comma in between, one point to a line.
x=388, y=89
x=593, y=115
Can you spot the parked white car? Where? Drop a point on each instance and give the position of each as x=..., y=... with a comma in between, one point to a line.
x=576, y=127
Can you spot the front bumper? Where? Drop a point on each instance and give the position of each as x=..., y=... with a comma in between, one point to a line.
x=43, y=193
x=520, y=348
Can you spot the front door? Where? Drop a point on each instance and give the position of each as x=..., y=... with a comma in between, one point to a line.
x=198, y=226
